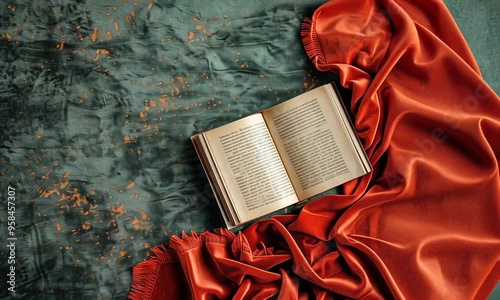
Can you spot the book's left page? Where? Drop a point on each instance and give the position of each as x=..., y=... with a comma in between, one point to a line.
x=250, y=167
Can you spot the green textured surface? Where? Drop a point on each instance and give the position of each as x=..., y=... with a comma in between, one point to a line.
x=98, y=100
x=478, y=20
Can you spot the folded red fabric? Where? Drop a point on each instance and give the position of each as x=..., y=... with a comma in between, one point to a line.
x=424, y=224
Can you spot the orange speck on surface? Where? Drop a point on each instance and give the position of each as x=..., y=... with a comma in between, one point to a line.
x=95, y=34
x=176, y=89
x=58, y=226
x=116, y=26
x=120, y=209
x=78, y=198
x=142, y=115
x=7, y=36
x=132, y=13
x=182, y=80
x=144, y=215
x=147, y=245
x=85, y=95
x=104, y=51
x=64, y=197
x=115, y=188
x=140, y=225
x=191, y=35
x=62, y=185
x=66, y=175
x=126, y=139
x=199, y=27
x=150, y=5
x=195, y=19
x=152, y=103
x=46, y=193
x=60, y=46
x=123, y=253
x=39, y=137
x=130, y=185
x=163, y=100
x=86, y=225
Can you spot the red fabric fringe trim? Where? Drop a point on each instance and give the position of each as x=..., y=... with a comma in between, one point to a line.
x=311, y=42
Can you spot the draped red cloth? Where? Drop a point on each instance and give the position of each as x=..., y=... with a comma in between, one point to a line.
x=423, y=225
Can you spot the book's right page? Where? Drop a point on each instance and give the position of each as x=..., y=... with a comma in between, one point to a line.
x=316, y=147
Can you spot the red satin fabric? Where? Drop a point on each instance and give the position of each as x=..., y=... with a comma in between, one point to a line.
x=423, y=225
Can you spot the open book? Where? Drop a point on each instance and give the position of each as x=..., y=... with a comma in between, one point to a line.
x=282, y=155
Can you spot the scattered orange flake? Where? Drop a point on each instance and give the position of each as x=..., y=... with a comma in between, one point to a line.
x=115, y=188
x=142, y=115
x=85, y=95
x=39, y=136
x=58, y=226
x=182, y=80
x=116, y=26
x=7, y=36
x=150, y=5
x=152, y=103
x=199, y=27
x=78, y=198
x=176, y=89
x=95, y=34
x=126, y=139
x=191, y=35
x=60, y=46
x=64, y=197
x=195, y=19
x=261, y=76
x=66, y=175
x=46, y=193
x=62, y=185
x=144, y=215
x=130, y=185
x=123, y=253
x=120, y=209
x=140, y=225
x=86, y=225
x=104, y=51
x=163, y=100
x=132, y=13
x=147, y=245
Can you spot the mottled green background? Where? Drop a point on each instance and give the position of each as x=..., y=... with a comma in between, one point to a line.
x=98, y=100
